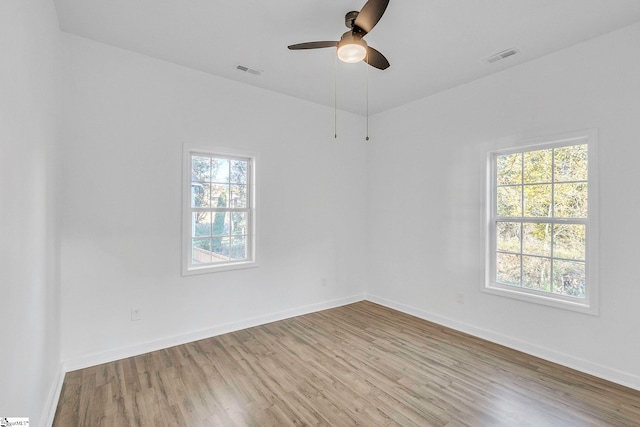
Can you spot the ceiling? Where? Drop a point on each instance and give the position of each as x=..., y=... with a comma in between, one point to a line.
x=432, y=45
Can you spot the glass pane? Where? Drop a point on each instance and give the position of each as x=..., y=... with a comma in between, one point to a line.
x=537, y=166
x=220, y=170
x=200, y=195
x=508, y=269
x=200, y=224
x=238, y=196
x=221, y=226
x=537, y=200
x=508, y=236
x=239, y=247
x=509, y=169
x=571, y=163
x=239, y=223
x=220, y=249
x=509, y=200
x=219, y=196
x=569, y=278
x=571, y=200
x=200, y=251
x=569, y=241
x=200, y=169
x=536, y=273
x=537, y=239
x=238, y=172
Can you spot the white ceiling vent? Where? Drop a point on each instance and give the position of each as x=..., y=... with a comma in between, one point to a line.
x=500, y=56
x=249, y=70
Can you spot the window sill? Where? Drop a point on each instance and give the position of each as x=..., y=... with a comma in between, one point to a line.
x=219, y=268
x=586, y=307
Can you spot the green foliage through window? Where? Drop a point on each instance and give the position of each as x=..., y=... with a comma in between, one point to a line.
x=220, y=209
x=541, y=212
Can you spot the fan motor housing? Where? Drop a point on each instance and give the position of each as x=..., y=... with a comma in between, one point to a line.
x=350, y=18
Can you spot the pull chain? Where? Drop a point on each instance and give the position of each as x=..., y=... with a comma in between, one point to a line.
x=335, y=98
x=367, y=78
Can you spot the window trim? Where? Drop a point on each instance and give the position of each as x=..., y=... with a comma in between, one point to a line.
x=589, y=304
x=188, y=149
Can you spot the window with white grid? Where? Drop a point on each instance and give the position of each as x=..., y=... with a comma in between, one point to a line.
x=541, y=233
x=218, y=228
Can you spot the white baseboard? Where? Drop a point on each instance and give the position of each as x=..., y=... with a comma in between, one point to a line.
x=597, y=370
x=135, y=350
x=49, y=412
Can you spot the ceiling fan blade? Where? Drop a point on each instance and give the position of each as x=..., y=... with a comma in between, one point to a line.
x=370, y=14
x=312, y=45
x=376, y=59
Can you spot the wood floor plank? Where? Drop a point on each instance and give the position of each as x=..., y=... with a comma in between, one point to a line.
x=361, y=364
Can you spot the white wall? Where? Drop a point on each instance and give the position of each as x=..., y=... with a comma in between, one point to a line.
x=125, y=119
x=29, y=333
x=426, y=198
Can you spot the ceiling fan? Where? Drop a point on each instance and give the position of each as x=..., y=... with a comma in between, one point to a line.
x=352, y=47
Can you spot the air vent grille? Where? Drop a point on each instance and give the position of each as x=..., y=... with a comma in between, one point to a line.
x=249, y=70
x=500, y=56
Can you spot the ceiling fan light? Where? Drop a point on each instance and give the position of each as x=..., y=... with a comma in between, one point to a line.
x=351, y=48
x=351, y=53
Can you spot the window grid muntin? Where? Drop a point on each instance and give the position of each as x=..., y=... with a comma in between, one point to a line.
x=552, y=220
x=248, y=210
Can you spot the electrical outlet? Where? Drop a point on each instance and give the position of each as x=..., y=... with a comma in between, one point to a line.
x=460, y=298
x=136, y=314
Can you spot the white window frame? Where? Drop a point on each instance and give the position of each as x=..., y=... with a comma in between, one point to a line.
x=252, y=237
x=589, y=304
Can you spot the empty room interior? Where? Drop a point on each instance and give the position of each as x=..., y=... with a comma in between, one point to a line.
x=273, y=213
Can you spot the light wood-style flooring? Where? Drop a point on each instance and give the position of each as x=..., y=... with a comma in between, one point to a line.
x=361, y=364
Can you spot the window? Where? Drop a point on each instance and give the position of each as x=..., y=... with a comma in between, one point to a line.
x=541, y=232
x=219, y=213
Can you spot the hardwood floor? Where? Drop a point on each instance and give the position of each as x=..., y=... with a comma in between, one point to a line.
x=361, y=364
